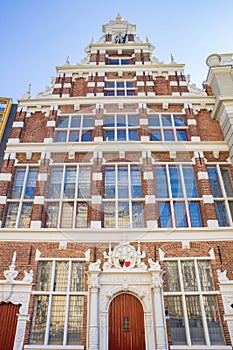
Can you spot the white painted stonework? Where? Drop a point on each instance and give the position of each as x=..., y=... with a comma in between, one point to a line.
x=17, y=292
x=124, y=272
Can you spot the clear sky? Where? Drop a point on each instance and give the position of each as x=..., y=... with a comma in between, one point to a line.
x=36, y=36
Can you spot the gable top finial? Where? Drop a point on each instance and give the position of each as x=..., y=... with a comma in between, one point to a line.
x=119, y=17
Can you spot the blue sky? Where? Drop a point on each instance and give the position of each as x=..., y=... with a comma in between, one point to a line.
x=36, y=36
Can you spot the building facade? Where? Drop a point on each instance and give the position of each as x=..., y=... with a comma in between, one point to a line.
x=116, y=205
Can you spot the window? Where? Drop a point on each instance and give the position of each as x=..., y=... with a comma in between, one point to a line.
x=68, y=197
x=119, y=61
x=59, y=303
x=2, y=106
x=74, y=128
x=119, y=88
x=120, y=128
x=19, y=206
x=177, y=197
x=222, y=190
x=192, y=303
x=123, y=205
x=168, y=127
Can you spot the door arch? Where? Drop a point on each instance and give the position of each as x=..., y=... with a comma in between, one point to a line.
x=126, y=324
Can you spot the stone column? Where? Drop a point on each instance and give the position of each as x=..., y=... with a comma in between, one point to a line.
x=157, y=284
x=93, y=328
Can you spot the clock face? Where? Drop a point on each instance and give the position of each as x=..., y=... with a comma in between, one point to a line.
x=2, y=106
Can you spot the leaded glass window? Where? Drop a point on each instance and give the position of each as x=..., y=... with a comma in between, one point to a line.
x=167, y=127
x=193, y=315
x=120, y=127
x=59, y=303
x=74, y=128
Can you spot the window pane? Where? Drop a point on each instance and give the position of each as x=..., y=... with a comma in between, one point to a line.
x=172, y=276
x=61, y=136
x=195, y=214
x=44, y=275
x=81, y=216
x=190, y=182
x=165, y=214
x=132, y=121
x=77, y=280
x=55, y=183
x=110, y=84
x=69, y=183
x=110, y=183
x=175, y=182
x=205, y=275
x=189, y=277
x=154, y=121
x=109, y=121
x=156, y=135
x=123, y=191
x=195, y=320
x=227, y=182
x=75, y=122
x=109, y=215
x=133, y=135
x=179, y=121
x=176, y=320
x=121, y=135
x=161, y=182
x=120, y=93
x=137, y=214
x=213, y=320
x=39, y=319
x=56, y=331
x=121, y=120
x=31, y=183
x=25, y=217
x=214, y=182
x=67, y=215
x=181, y=135
x=109, y=135
x=87, y=122
x=75, y=320
x=63, y=122
x=166, y=121
x=180, y=214
x=52, y=215
x=168, y=135
x=86, y=136
x=84, y=182
x=120, y=84
x=125, y=61
x=11, y=215
x=129, y=84
x=221, y=213
x=18, y=183
x=74, y=136
x=123, y=214
x=61, y=276
x=136, y=185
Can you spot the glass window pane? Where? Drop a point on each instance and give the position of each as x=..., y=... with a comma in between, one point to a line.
x=129, y=84
x=67, y=215
x=227, y=182
x=180, y=214
x=110, y=93
x=109, y=121
x=133, y=135
x=130, y=93
x=166, y=120
x=31, y=183
x=181, y=135
x=221, y=213
x=122, y=178
x=168, y=135
x=176, y=320
x=74, y=136
x=136, y=184
x=86, y=136
x=39, y=319
x=52, y=215
x=56, y=331
x=132, y=121
x=81, y=216
x=25, y=216
x=161, y=182
x=63, y=122
x=121, y=120
x=18, y=183
x=110, y=188
x=189, y=277
x=213, y=320
x=165, y=214
x=175, y=182
x=61, y=136
x=55, y=183
x=123, y=214
x=172, y=276
x=120, y=84
x=195, y=214
x=205, y=275
x=44, y=275
x=69, y=183
x=87, y=122
x=137, y=214
x=11, y=215
x=125, y=61
x=214, y=182
x=110, y=84
x=61, y=276
x=154, y=121
x=109, y=135
x=84, y=182
x=156, y=135
x=121, y=135
x=195, y=320
x=77, y=279
x=120, y=93
x=190, y=182
x=75, y=320
x=179, y=121
x=109, y=215
x=75, y=122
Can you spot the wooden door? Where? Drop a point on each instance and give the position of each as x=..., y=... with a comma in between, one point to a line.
x=8, y=323
x=126, y=324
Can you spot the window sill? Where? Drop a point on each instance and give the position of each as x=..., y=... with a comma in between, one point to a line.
x=200, y=347
x=54, y=347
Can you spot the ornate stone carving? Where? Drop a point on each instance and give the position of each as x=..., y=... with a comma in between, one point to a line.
x=124, y=257
x=95, y=266
x=11, y=274
x=222, y=276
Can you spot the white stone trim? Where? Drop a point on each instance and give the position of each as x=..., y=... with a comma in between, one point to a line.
x=65, y=95
x=141, y=94
x=149, y=83
x=143, y=121
x=148, y=175
x=151, y=93
x=99, y=94
x=191, y=122
x=152, y=224
x=202, y=175
x=145, y=138
x=98, y=139
x=173, y=83
x=100, y=83
x=175, y=94
x=39, y=200
x=5, y=177
x=212, y=224
x=97, y=176
x=48, y=140
x=195, y=139
x=140, y=83
x=35, y=224
x=18, y=125
x=96, y=199
x=91, y=84
x=57, y=86
x=150, y=199
x=3, y=199
x=51, y=123
x=42, y=177
x=67, y=85
x=96, y=224
x=208, y=199
x=11, y=141
x=90, y=94
x=99, y=122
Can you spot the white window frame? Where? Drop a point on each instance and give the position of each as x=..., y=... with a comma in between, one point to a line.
x=127, y=127
x=125, y=89
x=80, y=129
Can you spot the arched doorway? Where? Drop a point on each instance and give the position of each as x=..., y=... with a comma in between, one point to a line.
x=8, y=323
x=126, y=324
